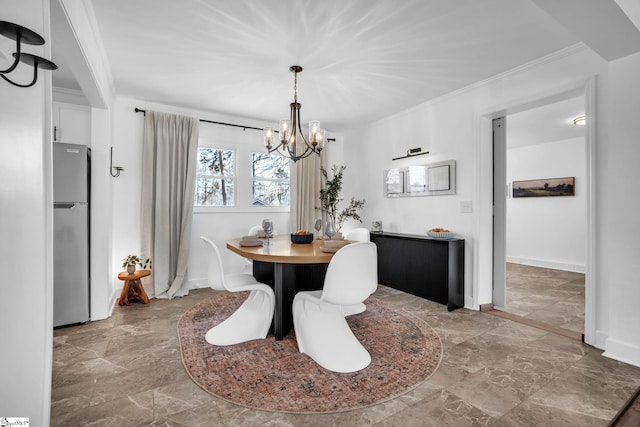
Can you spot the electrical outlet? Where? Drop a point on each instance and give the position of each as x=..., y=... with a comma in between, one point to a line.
x=466, y=206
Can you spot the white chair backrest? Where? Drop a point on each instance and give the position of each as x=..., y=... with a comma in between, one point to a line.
x=359, y=235
x=352, y=274
x=253, y=231
x=215, y=276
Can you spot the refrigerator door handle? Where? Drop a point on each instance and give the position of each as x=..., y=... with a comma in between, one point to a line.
x=66, y=205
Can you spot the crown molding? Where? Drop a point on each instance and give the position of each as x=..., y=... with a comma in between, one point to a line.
x=555, y=56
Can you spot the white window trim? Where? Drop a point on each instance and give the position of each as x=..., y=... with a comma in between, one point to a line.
x=235, y=209
x=243, y=179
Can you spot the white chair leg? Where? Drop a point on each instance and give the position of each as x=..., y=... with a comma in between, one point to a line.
x=350, y=310
x=324, y=335
x=250, y=321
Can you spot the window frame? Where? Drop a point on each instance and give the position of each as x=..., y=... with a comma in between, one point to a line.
x=243, y=193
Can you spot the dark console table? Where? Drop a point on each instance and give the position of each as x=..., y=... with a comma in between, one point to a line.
x=423, y=266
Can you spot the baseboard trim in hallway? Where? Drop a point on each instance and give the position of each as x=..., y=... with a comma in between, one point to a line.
x=537, y=324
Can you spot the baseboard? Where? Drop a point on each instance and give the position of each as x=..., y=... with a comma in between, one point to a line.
x=468, y=303
x=196, y=283
x=555, y=265
x=601, y=340
x=622, y=351
x=112, y=305
x=486, y=307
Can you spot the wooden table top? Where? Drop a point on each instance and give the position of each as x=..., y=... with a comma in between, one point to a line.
x=123, y=275
x=282, y=250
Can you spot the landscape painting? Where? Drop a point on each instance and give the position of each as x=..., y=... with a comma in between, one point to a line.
x=544, y=187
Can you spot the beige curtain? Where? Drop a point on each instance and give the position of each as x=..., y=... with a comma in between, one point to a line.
x=307, y=193
x=169, y=153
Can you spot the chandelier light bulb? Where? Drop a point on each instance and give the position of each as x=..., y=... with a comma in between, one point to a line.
x=321, y=138
x=268, y=137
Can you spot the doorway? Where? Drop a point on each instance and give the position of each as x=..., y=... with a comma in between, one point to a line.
x=540, y=243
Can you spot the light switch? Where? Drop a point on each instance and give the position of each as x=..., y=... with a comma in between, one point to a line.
x=466, y=206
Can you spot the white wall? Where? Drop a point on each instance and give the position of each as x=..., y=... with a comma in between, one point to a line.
x=26, y=227
x=457, y=127
x=101, y=212
x=446, y=131
x=619, y=234
x=548, y=232
x=219, y=225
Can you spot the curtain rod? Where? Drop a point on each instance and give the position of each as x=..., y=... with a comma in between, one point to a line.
x=139, y=110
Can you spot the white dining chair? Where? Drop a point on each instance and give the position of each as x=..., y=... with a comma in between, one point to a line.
x=253, y=318
x=360, y=234
x=322, y=331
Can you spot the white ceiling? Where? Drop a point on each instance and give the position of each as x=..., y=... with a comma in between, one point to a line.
x=547, y=123
x=363, y=59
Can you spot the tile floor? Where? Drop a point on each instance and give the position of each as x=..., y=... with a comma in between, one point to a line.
x=127, y=370
x=551, y=296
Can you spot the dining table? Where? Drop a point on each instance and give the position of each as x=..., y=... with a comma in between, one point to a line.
x=288, y=268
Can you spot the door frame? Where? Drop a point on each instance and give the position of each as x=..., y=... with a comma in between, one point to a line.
x=499, y=290
x=484, y=285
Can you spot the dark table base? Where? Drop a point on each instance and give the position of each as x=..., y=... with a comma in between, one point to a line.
x=287, y=280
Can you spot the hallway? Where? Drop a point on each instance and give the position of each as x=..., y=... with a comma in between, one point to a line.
x=551, y=296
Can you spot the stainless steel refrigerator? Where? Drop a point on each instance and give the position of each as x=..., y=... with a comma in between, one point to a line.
x=71, y=186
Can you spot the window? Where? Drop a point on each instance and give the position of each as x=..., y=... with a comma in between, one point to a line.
x=270, y=175
x=215, y=178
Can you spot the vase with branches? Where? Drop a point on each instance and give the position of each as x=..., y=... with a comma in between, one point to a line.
x=330, y=199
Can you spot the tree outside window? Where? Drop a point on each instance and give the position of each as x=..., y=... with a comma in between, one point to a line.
x=270, y=180
x=215, y=179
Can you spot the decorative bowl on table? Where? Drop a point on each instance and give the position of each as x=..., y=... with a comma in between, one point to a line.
x=439, y=233
x=301, y=237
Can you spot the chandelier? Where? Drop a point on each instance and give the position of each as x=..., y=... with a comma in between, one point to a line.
x=290, y=132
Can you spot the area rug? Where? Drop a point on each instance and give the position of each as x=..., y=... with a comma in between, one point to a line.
x=274, y=376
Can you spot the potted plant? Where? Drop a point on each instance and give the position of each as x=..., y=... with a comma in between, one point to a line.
x=330, y=199
x=130, y=262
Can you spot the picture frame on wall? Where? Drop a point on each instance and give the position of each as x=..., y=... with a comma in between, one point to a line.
x=547, y=187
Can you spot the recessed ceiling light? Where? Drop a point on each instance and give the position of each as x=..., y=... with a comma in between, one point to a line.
x=580, y=120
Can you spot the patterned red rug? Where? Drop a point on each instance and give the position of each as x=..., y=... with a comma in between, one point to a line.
x=273, y=375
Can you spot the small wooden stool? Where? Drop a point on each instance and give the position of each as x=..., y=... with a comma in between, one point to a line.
x=133, y=289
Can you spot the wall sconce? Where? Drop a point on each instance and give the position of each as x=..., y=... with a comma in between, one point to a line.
x=24, y=35
x=412, y=152
x=112, y=168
